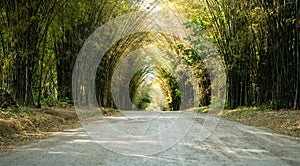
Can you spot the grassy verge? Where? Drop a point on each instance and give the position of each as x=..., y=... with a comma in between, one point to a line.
x=282, y=121
x=22, y=124
x=18, y=125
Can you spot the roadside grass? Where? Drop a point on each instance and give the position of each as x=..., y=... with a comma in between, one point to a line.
x=21, y=124
x=282, y=121
x=24, y=123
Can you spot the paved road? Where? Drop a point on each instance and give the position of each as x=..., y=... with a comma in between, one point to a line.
x=228, y=143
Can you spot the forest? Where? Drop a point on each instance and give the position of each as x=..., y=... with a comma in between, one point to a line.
x=258, y=42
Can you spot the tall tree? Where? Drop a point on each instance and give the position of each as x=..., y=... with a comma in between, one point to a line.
x=259, y=43
x=24, y=26
x=75, y=22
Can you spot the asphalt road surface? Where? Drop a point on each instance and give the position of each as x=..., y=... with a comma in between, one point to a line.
x=159, y=138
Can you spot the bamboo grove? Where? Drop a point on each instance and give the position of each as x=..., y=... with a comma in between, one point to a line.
x=258, y=41
x=40, y=41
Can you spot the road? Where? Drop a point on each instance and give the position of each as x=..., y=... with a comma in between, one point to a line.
x=208, y=141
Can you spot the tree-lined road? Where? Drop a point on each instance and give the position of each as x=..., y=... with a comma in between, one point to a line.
x=230, y=143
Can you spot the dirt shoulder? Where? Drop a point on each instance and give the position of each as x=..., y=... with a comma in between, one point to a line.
x=282, y=121
x=20, y=125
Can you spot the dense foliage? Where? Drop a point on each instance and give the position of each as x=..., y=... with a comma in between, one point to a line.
x=40, y=41
x=258, y=41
